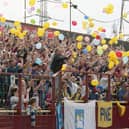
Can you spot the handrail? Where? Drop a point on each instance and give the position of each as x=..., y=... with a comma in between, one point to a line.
x=45, y=76
x=86, y=74
x=23, y=111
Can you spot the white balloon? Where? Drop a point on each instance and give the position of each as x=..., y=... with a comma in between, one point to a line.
x=38, y=46
x=95, y=42
x=125, y=59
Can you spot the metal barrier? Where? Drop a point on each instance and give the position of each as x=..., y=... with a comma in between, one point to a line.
x=15, y=115
x=39, y=87
x=107, y=85
x=47, y=112
x=117, y=120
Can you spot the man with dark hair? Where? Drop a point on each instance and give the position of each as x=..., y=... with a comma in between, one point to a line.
x=57, y=61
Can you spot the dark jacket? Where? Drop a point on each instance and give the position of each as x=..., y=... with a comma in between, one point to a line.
x=57, y=62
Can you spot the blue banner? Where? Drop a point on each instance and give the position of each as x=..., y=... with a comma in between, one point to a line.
x=59, y=116
x=79, y=119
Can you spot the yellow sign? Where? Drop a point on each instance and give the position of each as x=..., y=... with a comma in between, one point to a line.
x=104, y=114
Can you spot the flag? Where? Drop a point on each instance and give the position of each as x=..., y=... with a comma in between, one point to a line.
x=104, y=114
x=59, y=116
x=79, y=115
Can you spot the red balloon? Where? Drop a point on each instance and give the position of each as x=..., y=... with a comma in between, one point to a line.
x=74, y=23
x=103, y=30
x=119, y=54
x=50, y=35
x=98, y=37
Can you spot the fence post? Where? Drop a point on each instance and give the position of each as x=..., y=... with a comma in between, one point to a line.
x=109, y=88
x=54, y=83
x=60, y=83
x=19, y=108
x=87, y=90
x=53, y=94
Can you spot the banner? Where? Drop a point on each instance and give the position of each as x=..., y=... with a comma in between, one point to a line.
x=104, y=114
x=59, y=116
x=79, y=115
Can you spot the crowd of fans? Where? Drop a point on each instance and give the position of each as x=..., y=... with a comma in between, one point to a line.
x=35, y=55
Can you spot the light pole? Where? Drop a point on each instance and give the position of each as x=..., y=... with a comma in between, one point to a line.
x=121, y=17
x=70, y=13
x=24, y=11
x=41, y=13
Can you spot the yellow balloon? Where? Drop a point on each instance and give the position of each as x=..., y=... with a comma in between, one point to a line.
x=12, y=30
x=94, y=34
x=19, y=28
x=17, y=32
x=54, y=23
x=32, y=2
x=103, y=41
x=88, y=48
x=112, y=54
x=56, y=33
x=110, y=42
x=116, y=62
x=121, y=35
x=124, y=53
x=24, y=33
x=111, y=65
x=105, y=47
x=79, y=38
x=84, y=25
x=109, y=9
x=91, y=24
x=64, y=67
x=79, y=45
x=100, y=52
x=90, y=19
x=100, y=29
x=115, y=39
x=95, y=82
x=99, y=47
x=127, y=53
x=110, y=6
x=40, y=32
x=2, y=19
x=17, y=24
x=21, y=35
x=74, y=54
x=65, y=5
x=46, y=25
